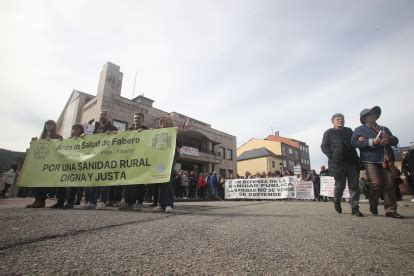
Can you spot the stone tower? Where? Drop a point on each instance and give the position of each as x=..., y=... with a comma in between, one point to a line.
x=110, y=81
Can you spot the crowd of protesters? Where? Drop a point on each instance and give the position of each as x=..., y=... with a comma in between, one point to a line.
x=381, y=180
x=182, y=185
x=131, y=196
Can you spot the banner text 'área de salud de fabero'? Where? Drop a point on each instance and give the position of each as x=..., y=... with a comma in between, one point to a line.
x=125, y=158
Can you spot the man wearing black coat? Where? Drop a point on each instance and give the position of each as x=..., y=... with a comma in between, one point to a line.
x=103, y=126
x=134, y=194
x=342, y=162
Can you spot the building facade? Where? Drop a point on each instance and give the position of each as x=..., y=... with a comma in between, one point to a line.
x=292, y=152
x=204, y=149
x=257, y=161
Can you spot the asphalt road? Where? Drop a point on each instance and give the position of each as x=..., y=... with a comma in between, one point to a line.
x=208, y=237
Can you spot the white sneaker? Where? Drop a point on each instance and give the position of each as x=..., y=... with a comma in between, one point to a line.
x=168, y=209
x=157, y=209
x=100, y=205
x=88, y=205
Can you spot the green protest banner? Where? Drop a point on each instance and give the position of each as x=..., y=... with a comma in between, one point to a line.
x=126, y=158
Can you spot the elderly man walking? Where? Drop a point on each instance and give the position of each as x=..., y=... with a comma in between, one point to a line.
x=374, y=143
x=342, y=162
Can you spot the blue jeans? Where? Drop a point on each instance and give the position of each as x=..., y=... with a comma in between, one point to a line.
x=166, y=195
x=214, y=192
x=350, y=172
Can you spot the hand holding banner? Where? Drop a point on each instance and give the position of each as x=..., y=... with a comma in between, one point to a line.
x=125, y=158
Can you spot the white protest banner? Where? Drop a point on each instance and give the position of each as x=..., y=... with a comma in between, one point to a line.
x=261, y=188
x=304, y=190
x=297, y=170
x=328, y=186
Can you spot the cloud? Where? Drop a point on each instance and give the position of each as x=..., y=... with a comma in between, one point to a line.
x=240, y=66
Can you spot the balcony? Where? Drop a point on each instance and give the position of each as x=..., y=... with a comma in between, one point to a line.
x=204, y=156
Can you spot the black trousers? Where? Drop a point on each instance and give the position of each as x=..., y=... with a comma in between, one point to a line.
x=155, y=188
x=41, y=193
x=134, y=193
x=115, y=193
x=6, y=188
x=61, y=194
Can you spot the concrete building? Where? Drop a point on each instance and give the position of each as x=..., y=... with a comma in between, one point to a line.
x=205, y=149
x=292, y=152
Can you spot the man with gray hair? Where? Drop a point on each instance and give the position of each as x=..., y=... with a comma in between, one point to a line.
x=343, y=162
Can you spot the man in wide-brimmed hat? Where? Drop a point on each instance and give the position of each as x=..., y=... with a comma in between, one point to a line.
x=342, y=162
x=374, y=143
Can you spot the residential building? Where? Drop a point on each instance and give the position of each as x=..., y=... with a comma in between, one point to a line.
x=205, y=149
x=258, y=161
x=292, y=152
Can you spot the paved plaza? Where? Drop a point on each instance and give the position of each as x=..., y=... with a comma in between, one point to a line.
x=299, y=237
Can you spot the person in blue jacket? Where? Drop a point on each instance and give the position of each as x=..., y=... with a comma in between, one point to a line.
x=374, y=142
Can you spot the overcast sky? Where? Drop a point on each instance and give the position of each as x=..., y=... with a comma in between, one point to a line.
x=245, y=67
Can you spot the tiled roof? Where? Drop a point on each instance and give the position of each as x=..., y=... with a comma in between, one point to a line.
x=256, y=153
x=285, y=140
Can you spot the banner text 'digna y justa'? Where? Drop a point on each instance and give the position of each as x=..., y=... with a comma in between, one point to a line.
x=125, y=158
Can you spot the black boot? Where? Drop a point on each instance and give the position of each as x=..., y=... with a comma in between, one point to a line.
x=39, y=203
x=356, y=212
x=374, y=210
x=31, y=205
x=338, y=208
x=394, y=215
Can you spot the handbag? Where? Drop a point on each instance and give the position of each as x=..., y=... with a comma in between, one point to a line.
x=388, y=164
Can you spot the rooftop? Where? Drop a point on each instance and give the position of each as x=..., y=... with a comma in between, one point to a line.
x=256, y=153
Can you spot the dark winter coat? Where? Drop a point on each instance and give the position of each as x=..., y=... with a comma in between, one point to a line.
x=136, y=128
x=104, y=128
x=332, y=146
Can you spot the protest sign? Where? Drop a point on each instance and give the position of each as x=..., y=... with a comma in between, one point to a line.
x=261, y=188
x=304, y=190
x=328, y=187
x=88, y=129
x=297, y=170
x=125, y=158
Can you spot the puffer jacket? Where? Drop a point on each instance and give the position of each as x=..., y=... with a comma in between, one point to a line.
x=332, y=147
x=368, y=151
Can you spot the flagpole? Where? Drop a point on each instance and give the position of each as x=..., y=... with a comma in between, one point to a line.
x=135, y=81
